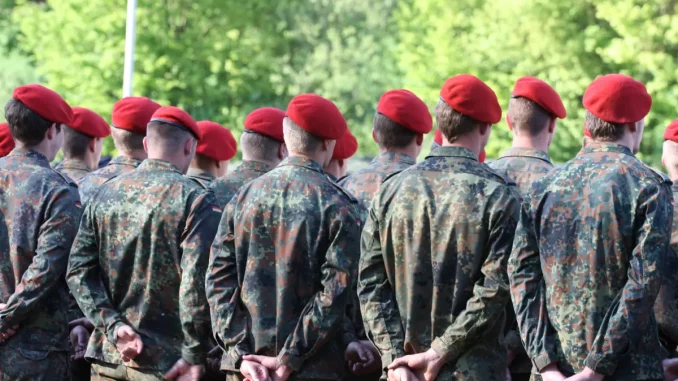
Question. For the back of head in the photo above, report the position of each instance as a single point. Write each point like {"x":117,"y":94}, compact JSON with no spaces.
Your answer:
{"x":75,"y":143}
{"x":299,"y":140}
{"x":263,"y":136}
{"x":603,"y":131}
{"x":453,"y":124}
{"x":259,"y":147}
{"x":129,"y":119}
{"x":25,"y":125}
{"x":391,"y":135}
{"x":172,"y":135}
{"x":165,"y":138}
{"x":401,"y":116}
{"x":527,"y":118}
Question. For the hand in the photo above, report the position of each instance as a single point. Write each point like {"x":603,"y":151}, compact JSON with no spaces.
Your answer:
{"x":551,"y":373}
{"x":6,"y":334}
{"x":508,"y":375}
{"x":83,"y":322}
{"x":403,"y":373}
{"x":253,"y":371}
{"x":428,"y":363}
{"x":128,"y":343}
{"x":280,"y":372}
{"x":670,"y":369}
{"x":360,"y":358}
{"x":79,"y":338}
{"x":586,"y":375}
{"x":183,"y":371}
{"x":214,"y":359}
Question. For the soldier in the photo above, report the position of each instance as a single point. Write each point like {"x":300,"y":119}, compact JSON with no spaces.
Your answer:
{"x":285,"y":257}
{"x":138,"y":263}
{"x":214,"y":150}
{"x":6,"y":141}
{"x":129,"y":120}
{"x":432,"y":280}
{"x":262,"y":150}
{"x":40,"y":210}
{"x":83,"y":141}
{"x":400,"y":123}
{"x":346,"y":147}
{"x":590,"y":248}
{"x":532,"y":113}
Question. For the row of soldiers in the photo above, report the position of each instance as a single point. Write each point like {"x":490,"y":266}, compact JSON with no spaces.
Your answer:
{"x":287,"y":269}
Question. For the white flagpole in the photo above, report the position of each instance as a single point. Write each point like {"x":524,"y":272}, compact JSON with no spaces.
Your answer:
{"x":130,"y":40}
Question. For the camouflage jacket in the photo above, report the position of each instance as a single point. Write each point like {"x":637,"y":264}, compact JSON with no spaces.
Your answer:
{"x":281,"y":270}
{"x":586,"y":264}
{"x":226,"y":187}
{"x":666,"y":305}
{"x":40,"y":211}
{"x":73,"y":168}
{"x":89,"y":184}
{"x":140,"y":258}
{"x":523,"y":165}
{"x":365,"y":183}
{"x":203,"y":177}
{"x":433,"y":264}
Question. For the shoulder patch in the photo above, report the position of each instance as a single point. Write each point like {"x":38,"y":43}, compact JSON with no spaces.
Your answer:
{"x":661,"y":176}
{"x":67,"y":179}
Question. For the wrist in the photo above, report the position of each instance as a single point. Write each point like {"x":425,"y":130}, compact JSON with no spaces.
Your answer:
{"x":592,"y":374}
{"x":552,"y":367}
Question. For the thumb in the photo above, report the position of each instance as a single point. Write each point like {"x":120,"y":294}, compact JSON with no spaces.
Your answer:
{"x":174,"y":372}
{"x":402,"y":361}
{"x":362,"y":353}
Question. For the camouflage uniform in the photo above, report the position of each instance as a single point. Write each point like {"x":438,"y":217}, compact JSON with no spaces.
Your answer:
{"x":433,"y":265}
{"x":586,"y":264}
{"x":524,"y":166}
{"x":40,"y":211}
{"x":226,"y":187}
{"x":73,"y":168}
{"x":364,"y":184}
{"x":666,"y":305}
{"x":203,"y":177}
{"x":140,"y":258}
{"x":89,"y":184}
{"x":281,"y":271}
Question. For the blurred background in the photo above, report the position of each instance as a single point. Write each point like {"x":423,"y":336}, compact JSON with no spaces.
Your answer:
{"x":220,"y":59}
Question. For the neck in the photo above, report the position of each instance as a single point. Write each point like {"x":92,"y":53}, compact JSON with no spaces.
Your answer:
{"x":465,"y":142}
{"x":41,"y":148}
{"x":625,"y":142}
{"x":407,"y":151}
{"x":212,"y":170}
{"x":172,"y":159}
{"x":673,"y":176}
{"x":270,"y":163}
{"x":530,"y":142}
{"x":316,"y":157}
{"x":136,"y":155}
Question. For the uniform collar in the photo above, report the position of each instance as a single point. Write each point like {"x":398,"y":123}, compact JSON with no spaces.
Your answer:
{"x":255,"y":166}
{"x":124,"y":160}
{"x":391,"y":157}
{"x":74,"y":164}
{"x":527,"y":152}
{"x":159,"y":165}
{"x":199,"y":173}
{"x":453,"y":152}
{"x":593,"y":147}
{"x":299,"y":161}
{"x":31,"y":154}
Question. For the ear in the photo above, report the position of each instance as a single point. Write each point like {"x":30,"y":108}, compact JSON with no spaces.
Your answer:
{"x":282,"y":151}
{"x":484,"y":129}
{"x":92,"y":145}
{"x":188,"y":146}
{"x":341,"y":162}
{"x":664,"y":161}
{"x":146,"y":144}
{"x":552,"y":125}
{"x":508,"y":121}
{"x":326,"y":145}
{"x":633,"y":127}
{"x":420,"y":139}
{"x":374,"y":137}
{"x":51,"y":131}
{"x":218,"y":163}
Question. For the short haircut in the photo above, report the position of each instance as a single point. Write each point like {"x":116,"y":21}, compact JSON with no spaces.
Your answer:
{"x":25,"y":125}
{"x":166,"y":135}
{"x":527,"y":117}
{"x":259,"y":147}
{"x":75,"y":143}
{"x":453,"y":124}
{"x":298,"y":140}
{"x":390,"y":134}
{"x":127,"y":141}
{"x":602,"y":130}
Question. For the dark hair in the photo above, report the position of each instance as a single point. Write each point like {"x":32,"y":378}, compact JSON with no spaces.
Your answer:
{"x":453,"y":124}
{"x":528,"y":117}
{"x":390,"y":134}
{"x":166,"y":134}
{"x":259,"y":147}
{"x":25,"y":125}
{"x":602,"y":130}
{"x":127,"y":141}
{"x":75,"y":143}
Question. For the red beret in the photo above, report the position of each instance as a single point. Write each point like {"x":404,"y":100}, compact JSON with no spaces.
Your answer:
{"x":671,"y":132}
{"x":317,"y":116}
{"x":217,"y":142}
{"x":438,"y":137}
{"x":471,"y":97}
{"x":133,"y":113}
{"x":177,"y":118}
{"x":44,"y":102}
{"x":346,"y":147}
{"x":406,"y":109}
{"x":89,"y":123}
{"x":617,"y":98}
{"x":266,"y":121}
{"x":541,"y":93}
{"x":6,"y":140}
{"x":482,"y":156}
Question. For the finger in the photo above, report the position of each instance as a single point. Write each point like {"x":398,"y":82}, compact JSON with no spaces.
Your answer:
{"x":402,"y":361}
{"x":125,"y":358}
{"x":370,"y":357}
{"x":362,"y":353}
{"x":173,"y":373}
{"x":139,"y":344}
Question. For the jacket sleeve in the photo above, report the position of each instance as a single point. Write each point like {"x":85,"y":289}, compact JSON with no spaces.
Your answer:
{"x":631,"y":312}
{"x":201,"y":227}
{"x":378,"y":304}
{"x":85,"y":281}
{"x":61,"y":217}
{"x":528,"y":291}
{"x":229,"y":319}
{"x":490,"y":292}
{"x":666,"y":305}
{"x":326,"y":311}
